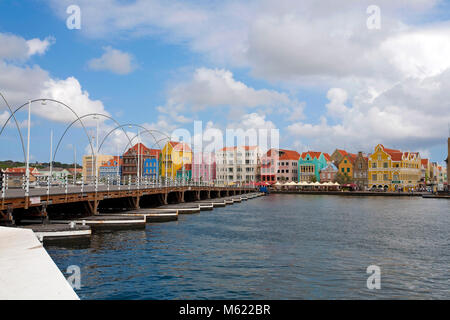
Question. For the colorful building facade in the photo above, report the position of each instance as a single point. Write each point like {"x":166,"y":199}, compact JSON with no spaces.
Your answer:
{"x":360,"y":171}
{"x":328,"y":174}
{"x":310,"y":164}
{"x":393,"y":170}
{"x":346,"y":165}
{"x":174,"y":156}
{"x":138,"y":154}
{"x":111,"y":168}
{"x":279,"y":165}
{"x":204,"y":167}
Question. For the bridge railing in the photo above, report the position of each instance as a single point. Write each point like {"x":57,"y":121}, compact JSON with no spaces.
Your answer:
{"x":12,"y":184}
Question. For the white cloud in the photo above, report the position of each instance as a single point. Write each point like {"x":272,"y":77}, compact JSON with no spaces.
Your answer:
{"x":285,"y":40}
{"x":217,"y":87}
{"x":20,"y":82}
{"x":70,"y":92}
{"x":38,"y":46}
{"x":113,"y":60}
{"x":337,"y":97}
{"x":253,"y":121}
{"x":412,"y":114}
{"x":16,"y":48}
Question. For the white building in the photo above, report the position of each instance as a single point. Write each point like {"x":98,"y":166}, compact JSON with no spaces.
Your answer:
{"x":238,"y":164}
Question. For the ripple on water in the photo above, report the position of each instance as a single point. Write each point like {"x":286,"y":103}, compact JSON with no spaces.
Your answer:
{"x":275,"y":247}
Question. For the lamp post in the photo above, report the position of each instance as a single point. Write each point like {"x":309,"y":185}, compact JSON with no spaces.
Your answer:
{"x":138,"y":172}
{"x":75,"y":165}
{"x":96,"y":154}
{"x":27,"y":170}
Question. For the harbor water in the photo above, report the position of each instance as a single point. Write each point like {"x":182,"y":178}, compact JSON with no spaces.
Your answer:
{"x":281,"y":246}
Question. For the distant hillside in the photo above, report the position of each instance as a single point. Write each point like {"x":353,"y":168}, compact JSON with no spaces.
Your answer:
{"x":40,"y":165}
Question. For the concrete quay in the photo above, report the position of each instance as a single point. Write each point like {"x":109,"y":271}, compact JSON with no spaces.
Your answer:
{"x":26,"y":270}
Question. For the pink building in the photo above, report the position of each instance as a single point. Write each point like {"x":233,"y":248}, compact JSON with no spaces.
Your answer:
{"x":203,"y":167}
{"x":328,"y":174}
{"x":279,"y":165}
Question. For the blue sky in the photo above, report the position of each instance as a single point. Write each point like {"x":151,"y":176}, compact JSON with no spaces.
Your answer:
{"x":313,"y":70}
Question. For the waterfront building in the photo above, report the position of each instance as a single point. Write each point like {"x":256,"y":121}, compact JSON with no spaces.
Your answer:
{"x":360,"y":171}
{"x":78,"y":172}
{"x":393,"y":170}
{"x":16,"y":176}
{"x":384,"y":168}
{"x":328,"y":174}
{"x":137,"y":153}
{"x":337,"y":156}
{"x":310,"y":164}
{"x":346,"y":165}
{"x":426,"y":172}
{"x":448,"y":166}
{"x":441,"y":177}
{"x":151,"y":165}
{"x":279,"y":165}
{"x":174,"y":156}
{"x":185,"y":172}
{"x":89,"y":167}
{"x":238,"y":164}
{"x":111,"y":168}
{"x":57,"y":173}
{"x":204,"y":167}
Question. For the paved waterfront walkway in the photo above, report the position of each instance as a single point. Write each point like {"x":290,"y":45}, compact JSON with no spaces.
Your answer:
{"x":26,"y":270}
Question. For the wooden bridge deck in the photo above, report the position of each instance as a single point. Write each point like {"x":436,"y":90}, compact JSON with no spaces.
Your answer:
{"x":38,"y":198}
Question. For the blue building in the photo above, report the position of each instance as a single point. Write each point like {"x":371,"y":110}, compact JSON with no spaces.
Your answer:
{"x":151,"y":168}
{"x":111,"y":168}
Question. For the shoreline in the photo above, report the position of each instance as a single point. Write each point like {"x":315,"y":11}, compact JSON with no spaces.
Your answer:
{"x":365,"y":194}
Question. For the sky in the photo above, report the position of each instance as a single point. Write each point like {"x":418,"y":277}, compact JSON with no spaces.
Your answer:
{"x":327,"y":74}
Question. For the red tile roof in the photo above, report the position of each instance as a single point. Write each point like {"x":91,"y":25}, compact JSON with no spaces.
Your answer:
{"x":316,"y":154}
{"x":180,"y":146}
{"x":285,"y":154}
{"x":241,"y":147}
{"x":396,"y":155}
{"x":21,"y":170}
{"x":143,"y":150}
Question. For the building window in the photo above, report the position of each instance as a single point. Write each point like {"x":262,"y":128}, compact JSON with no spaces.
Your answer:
{"x":374,"y":177}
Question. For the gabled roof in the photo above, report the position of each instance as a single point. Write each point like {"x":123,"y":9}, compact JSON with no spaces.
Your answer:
{"x":283,"y":154}
{"x":396,"y":155}
{"x":342,"y":152}
{"x":21,"y":170}
{"x":180,"y":146}
{"x":315,"y":155}
{"x":142,"y":150}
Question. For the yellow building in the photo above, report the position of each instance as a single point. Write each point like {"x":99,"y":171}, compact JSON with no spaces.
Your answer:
{"x":173,"y":156}
{"x":394,"y":170}
{"x":411,"y":170}
{"x":346,"y":164}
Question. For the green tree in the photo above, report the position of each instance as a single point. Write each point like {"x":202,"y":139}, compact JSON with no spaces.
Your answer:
{"x":342,"y":178}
